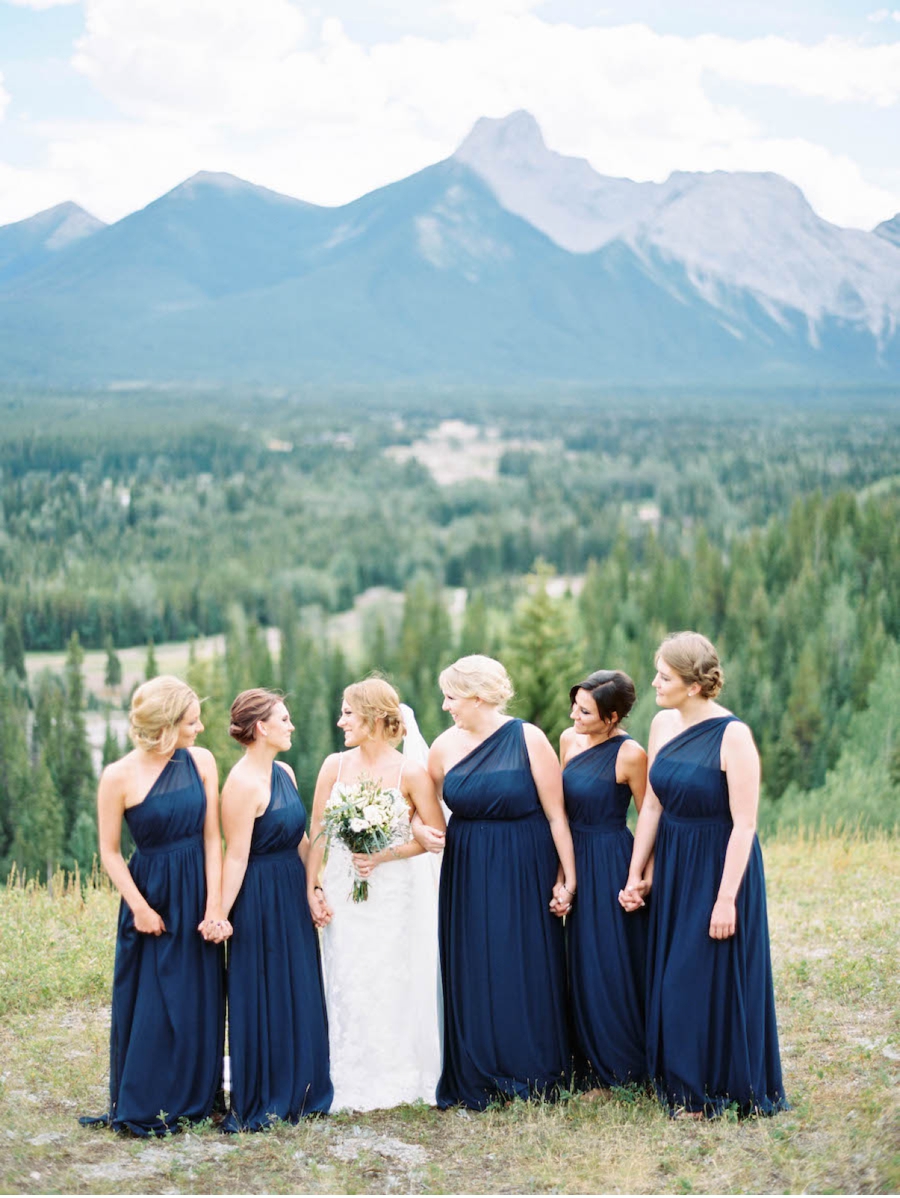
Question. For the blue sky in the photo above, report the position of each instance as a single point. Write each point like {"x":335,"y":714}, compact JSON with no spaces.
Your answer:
{"x":112,"y":102}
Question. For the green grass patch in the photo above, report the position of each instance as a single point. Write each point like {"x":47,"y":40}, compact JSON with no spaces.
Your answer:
{"x":833,"y":913}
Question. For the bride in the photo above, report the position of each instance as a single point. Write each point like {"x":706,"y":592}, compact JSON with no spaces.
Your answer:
{"x":380,"y":955}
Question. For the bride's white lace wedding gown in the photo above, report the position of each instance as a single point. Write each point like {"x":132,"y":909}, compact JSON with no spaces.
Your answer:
{"x":380,"y":959}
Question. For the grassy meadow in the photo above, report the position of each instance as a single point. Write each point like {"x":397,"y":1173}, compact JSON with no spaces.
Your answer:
{"x":834,"y":911}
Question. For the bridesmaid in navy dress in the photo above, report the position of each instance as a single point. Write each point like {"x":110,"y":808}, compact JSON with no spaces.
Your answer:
{"x":277,"y":1028}
{"x":501,"y":941}
{"x":168,"y":1008}
{"x":712,"y":1042}
{"x":603,"y":770}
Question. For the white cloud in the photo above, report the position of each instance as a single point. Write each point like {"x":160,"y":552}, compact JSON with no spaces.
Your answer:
{"x":884,"y":14}
{"x":5,"y":97}
{"x":272,"y":93}
{"x":836,"y":69}
{"x":40,"y":4}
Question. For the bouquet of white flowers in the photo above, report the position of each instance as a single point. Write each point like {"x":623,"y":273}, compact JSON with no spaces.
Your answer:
{"x":366,"y":818}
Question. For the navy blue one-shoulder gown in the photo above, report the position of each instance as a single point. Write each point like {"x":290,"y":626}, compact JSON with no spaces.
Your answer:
{"x":168,"y":1006}
{"x":607,"y":947}
{"x":711,"y":1035}
{"x":277,"y":1027}
{"x":502,"y":951}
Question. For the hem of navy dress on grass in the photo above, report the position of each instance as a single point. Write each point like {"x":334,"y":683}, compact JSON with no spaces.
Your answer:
{"x":712,"y":1041}
{"x":277,"y":1026}
{"x":607,"y":946}
{"x":502,"y":951}
{"x":168,"y":1008}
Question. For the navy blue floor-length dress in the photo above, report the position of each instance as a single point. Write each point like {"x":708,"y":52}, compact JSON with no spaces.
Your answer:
{"x":711,"y":1034}
{"x":607,"y":946}
{"x":277,"y":1027}
{"x":502,"y":951}
{"x":168,"y":1006}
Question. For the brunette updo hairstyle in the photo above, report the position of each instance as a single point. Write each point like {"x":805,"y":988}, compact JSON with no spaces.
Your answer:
{"x":248,"y":709}
{"x":478,"y":677}
{"x":375,"y":699}
{"x":157,"y":708}
{"x":612,"y":691}
{"x":694,"y":659}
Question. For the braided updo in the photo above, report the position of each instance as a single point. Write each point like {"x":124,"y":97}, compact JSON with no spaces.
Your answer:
{"x":694,"y":659}
{"x":374,"y":699}
{"x":248,"y":709}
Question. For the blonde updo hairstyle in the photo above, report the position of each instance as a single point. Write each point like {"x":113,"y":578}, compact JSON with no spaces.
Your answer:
{"x":375,"y":699}
{"x":478,"y":677}
{"x":694,"y":659}
{"x":248,"y":709}
{"x":157,"y":708}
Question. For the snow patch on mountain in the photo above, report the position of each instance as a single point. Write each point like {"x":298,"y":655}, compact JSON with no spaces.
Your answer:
{"x":729,"y":230}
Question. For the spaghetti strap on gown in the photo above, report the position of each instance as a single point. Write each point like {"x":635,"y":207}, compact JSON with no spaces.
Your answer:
{"x":711,"y":1034}
{"x":502,"y":951}
{"x":607,"y":947}
{"x":277,"y":1028}
{"x":168,"y":1006}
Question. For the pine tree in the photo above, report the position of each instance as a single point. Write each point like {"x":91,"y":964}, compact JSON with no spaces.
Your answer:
{"x":209,"y":680}
{"x":475,"y":636}
{"x":15,"y":770}
{"x":258,"y":659}
{"x":543,"y":656}
{"x":113,"y":675}
{"x":76,"y":780}
{"x":37,"y":847}
{"x":13,"y":644}
{"x":112,"y":750}
{"x":151,"y":669}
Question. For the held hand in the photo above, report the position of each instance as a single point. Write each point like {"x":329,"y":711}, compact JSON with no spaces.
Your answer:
{"x":561,"y":902}
{"x":147,"y":921}
{"x":723,"y":921}
{"x":632,"y":896}
{"x":318,"y":908}
{"x":431,"y":839}
{"x":215,"y":928}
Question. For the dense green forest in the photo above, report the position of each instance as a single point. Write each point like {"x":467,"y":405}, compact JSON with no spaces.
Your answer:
{"x":583,"y":527}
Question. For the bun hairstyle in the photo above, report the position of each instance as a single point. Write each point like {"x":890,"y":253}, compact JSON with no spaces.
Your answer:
{"x":694,"y":659}
{"x":374,"y":699}
{"x":478,"y":677}
{"x":248,"y":709}
{"x":157,"y":708}
{"x":612,"y":691}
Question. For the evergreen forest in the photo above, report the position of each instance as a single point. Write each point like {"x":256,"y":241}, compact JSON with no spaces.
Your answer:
{"x":562,"y":530}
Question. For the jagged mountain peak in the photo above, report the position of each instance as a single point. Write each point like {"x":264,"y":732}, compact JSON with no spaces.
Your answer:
{"x":517,"y":133}
{"x":753,"y":230}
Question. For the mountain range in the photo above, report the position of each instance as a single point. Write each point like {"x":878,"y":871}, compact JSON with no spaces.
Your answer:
{"x":507,"y":262}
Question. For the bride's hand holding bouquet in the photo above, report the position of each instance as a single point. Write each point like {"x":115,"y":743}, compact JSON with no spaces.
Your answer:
{"x":367,"y":820}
